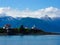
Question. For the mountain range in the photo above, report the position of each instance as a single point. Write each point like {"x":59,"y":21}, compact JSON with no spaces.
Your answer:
{"x":45,"y":23}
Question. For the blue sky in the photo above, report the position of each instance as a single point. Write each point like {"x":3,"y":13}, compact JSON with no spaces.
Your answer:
{"x":30,"y":8}
{"x":32,"y":4}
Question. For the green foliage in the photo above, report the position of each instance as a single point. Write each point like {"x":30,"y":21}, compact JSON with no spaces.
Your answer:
{"x":23,"y":30}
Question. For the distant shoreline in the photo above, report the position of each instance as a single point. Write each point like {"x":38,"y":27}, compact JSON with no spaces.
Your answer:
{"x":6,"y":34}
{"x":24,"y":31}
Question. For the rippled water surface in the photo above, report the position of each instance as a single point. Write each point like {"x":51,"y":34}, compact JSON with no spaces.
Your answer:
{"x":30,"y":40}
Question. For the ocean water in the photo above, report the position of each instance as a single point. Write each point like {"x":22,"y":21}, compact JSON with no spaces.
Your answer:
{"x":30,"y":40}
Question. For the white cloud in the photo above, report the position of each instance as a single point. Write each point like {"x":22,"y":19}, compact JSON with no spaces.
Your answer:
{"x":50,"y":11}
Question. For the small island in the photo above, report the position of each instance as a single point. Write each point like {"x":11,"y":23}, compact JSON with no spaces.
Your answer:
{"x":7,"y":30}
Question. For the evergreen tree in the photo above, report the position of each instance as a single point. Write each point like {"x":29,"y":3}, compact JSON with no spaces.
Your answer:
{"x":21,"y":29}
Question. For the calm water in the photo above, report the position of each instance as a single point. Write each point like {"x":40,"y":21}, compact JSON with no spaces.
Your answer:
{"x":30,"y":40}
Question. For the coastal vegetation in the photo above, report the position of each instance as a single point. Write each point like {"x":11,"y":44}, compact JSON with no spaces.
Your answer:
{"x":7,"y":30}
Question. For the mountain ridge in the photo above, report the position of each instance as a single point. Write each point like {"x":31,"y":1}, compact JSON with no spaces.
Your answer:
{"x":48,"y":24}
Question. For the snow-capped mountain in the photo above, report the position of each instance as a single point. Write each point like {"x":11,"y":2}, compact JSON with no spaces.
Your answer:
{"x":45,"y":23}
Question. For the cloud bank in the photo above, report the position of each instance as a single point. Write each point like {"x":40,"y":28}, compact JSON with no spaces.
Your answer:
{"x":50,"y":11}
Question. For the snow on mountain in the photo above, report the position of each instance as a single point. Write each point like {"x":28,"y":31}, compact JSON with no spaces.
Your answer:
{"x":45,"y":23}
{"x":46,"y":19}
